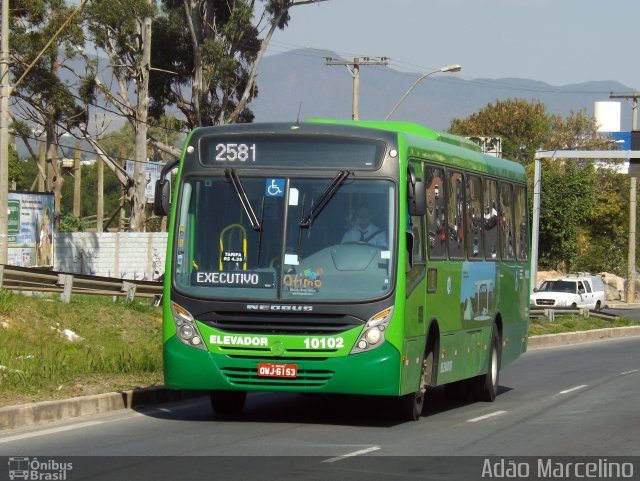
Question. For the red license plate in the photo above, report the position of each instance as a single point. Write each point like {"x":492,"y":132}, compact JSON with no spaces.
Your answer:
{"x":270,"y":369}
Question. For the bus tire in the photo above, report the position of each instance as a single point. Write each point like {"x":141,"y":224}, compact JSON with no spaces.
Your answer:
{"x":228,"y":403}
{"x":411,"y":404}
{"x":485,"y":386}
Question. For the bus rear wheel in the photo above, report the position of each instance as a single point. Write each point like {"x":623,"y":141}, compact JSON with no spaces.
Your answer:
{"x":228,"y":403}
{"x":485,"y":386}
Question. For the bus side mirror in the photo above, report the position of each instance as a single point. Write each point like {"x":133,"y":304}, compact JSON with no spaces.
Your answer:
{"x":416,"y":191}
{"x":162,"y":192}
{"x":162,"y":198}
{"x":417,"y":198}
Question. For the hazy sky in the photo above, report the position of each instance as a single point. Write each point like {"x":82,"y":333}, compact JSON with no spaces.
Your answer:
{"x":560,"y":42}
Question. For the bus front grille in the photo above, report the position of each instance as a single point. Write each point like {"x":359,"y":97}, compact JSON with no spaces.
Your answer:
{"x":240,"y":376}
{"x":280,"y":324}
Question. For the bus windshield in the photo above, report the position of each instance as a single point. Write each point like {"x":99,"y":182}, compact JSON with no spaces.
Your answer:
{"x":345,"y":253}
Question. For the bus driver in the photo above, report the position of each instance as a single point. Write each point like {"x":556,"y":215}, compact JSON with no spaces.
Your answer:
{"x":364,"y":231}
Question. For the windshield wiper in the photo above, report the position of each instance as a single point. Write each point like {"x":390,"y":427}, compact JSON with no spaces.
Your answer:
{"x":331,"y":189}
{"x":244,"y":200}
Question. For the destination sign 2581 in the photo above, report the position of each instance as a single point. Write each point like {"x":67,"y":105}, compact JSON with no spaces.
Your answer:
{"x":228,"y":152}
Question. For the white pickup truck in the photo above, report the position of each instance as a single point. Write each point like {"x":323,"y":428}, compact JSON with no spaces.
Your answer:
{"x":577,"y":291}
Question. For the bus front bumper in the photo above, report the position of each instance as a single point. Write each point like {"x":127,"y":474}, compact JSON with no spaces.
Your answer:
{"x":375,"y":372}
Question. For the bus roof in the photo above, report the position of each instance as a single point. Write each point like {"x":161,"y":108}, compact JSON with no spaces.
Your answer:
{"x":407,"y":127}
{"x":422,"y":141}
{"x":430,"y":142}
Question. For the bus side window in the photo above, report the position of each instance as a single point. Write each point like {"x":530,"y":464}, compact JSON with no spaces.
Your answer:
{"x":507,"y":249}
{"x":490,"y":219}
{"x":475,"y":224}
{"x":522,"y":233}
{"x":436,"y":227}
{"x":455,"y":227}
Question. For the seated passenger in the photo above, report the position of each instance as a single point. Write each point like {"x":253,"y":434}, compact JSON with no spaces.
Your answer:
{"x":364,"y":231}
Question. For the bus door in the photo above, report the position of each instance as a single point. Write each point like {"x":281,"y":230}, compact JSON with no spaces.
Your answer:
{"x":416,"y":322}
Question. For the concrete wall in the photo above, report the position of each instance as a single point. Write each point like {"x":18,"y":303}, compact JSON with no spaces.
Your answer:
{"x":126,"y":255}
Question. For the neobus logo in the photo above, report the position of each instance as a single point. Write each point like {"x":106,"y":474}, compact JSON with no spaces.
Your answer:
{"x":278,"y":308}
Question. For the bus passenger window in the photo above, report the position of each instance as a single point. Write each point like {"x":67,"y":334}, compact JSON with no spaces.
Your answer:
{"x":507,"y":248}
{"x":475,"y":224}
{"x":455,"y":228}
{"x":522,"y":244}
{"x":490,"y":219}
{"x":437,"y":237}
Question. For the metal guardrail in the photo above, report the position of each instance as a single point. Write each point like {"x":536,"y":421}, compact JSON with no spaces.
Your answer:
{"x":28,"y":279}
{"x":552,"y":312}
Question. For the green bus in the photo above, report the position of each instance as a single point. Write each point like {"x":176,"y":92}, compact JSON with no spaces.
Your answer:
{"x":272,"y":283}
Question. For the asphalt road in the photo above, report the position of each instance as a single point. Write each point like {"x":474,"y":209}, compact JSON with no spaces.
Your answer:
{"x":581,"y":400}
{"x":631,"y":313}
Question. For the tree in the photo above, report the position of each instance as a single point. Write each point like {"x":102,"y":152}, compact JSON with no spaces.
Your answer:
{"x":604,"y":237}
{"x":523,"y":126}
{"x":213,"y":47}
{"x":122,"y":29}
{"x":567,"y":201}
{"x":42,"y":98}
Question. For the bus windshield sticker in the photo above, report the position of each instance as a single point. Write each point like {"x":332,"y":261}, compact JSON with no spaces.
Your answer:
{"x":232,"y":257}
{"x":306,"y":283}
{"x":274,"y":188}
{"x":259,"y":280}
{"x":291,"y":260}
{"x":294,"y":194}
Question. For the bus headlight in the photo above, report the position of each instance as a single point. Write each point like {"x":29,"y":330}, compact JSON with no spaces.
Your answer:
{"x":373,"y":333}
{"x":186,"y":329}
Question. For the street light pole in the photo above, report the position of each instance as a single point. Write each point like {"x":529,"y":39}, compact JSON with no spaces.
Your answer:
{"x":450,"y":68}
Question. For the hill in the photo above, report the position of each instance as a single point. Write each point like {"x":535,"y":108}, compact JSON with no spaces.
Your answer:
{"x":287,"y":80}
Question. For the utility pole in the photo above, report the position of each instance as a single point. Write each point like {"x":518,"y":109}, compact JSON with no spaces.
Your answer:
{"x":633,"y":194}
{"x":100,"y":202}
{"x":4,"y":134}
{"x":354,"y":69}
{"x":77,"y":181}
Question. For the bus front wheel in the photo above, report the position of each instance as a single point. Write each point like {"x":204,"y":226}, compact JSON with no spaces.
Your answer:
{"x":228,"y":403}
{"x":411,"y":404}
{"x":485,"y":386}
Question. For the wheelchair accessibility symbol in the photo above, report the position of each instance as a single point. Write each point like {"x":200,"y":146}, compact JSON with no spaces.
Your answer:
{"x":274,"y":188}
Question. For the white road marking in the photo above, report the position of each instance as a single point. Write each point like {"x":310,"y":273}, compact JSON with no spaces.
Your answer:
{"x":486,"y":416}
{"x":629,"y":372}
{"x":350,"y":455}
{"x":45,"y":432}
{"x":566,"y":391}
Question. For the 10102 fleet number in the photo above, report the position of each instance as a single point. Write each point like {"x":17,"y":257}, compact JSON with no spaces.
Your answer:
{"x":324,"y":343}
{"x":235,"y":152}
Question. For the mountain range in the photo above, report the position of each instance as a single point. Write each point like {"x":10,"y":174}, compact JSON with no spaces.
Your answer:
{"x":298,"y":84}
{"x":300,"y":81}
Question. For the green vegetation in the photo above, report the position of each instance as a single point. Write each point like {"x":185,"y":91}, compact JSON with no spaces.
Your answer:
{"x":120,"y":347}
{"x":571,"y":323}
